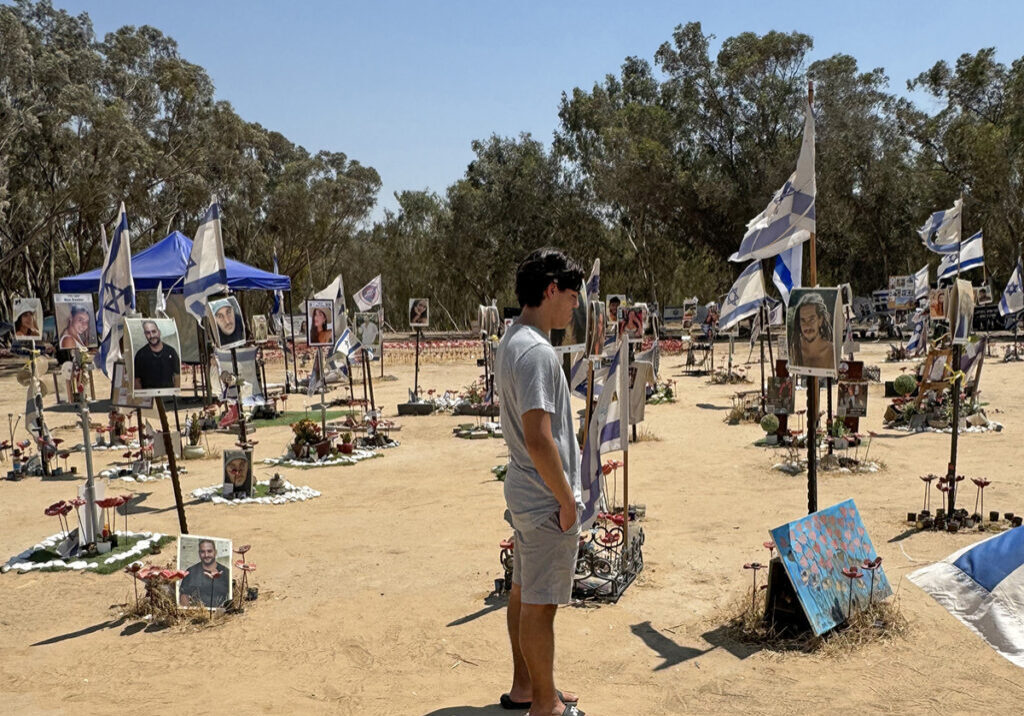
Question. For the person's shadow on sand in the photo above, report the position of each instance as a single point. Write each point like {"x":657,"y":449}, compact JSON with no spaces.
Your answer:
{"x":492,"y":710}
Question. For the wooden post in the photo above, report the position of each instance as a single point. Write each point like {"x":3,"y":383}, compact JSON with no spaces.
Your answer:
{"x":416,"y":379}
{"x":812,"y":382}
{"x":369,"y":380}
{"x":760,"y":316}
{"x":172,"y":462}
{"x":323,"y":391}
{"x":295,"y":360}
{"x":242,"y":436}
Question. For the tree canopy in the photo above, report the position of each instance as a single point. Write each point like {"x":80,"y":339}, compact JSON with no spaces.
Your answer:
{"x":655,"y":169}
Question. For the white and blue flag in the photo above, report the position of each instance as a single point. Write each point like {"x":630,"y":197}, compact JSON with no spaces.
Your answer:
{"x":982,"y":585}
{"x":941,"y":233}
{"x":744,"y":298}
{"x":609,"y":425}
{"x":788,"y":220}
{"x":207,"y":272}
{"x":971,"y":255}
{"x":1013,"y":295}
{"x":788,"y":267}
{"x":921,"y":283}
{"x":918,"y":341}
{"x":369,"y":295}
{"x":117,"y":295}
{"x":336,"y":292}
{"x":594,"y":282}
{"x":346,"y":345}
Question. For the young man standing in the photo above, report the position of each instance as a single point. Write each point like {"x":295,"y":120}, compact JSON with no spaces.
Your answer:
{"x":542,"y":486}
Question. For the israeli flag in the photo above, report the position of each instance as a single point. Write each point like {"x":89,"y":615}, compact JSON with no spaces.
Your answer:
{"x":941,"y":233}
{"x":346,"y":345}
{"x":788,"y":267}
{"x":117,"y":295}
{"x":982,"y":585}
{"x":161,"y":300}
{"x":369,"y":295}
{"x":336,"y":292}
{"x":1013,"y":295}
{"x":921,"y":283}
{"x":972,"y":255}
{"x":917,"y":340}
{"x":207,"y":272}
{"x":744,"y":298}
{"x":608,"y":422}
{"x":788,"y":220}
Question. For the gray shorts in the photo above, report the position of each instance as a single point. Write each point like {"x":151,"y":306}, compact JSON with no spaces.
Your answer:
{"x":544,"y":560}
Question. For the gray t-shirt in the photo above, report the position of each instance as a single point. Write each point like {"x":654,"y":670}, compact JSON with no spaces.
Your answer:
{"x":528,"y":377}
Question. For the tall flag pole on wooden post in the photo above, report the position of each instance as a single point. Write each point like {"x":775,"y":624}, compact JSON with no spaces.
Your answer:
{"x":812,"y":382}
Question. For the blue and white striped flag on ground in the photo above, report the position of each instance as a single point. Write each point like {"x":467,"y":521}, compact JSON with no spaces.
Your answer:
{"x":983,"y":586}
{"x":117,"y":295}
{"x":609,"y":424}
{"x":918,"y":340}
{"x":941,"y":233}
{"x":1013,"y":295}
{"x":744,"y":298}
{"x":971,"y":255}
{"x":207,"y":272}
{"x":921,"y":283}
{"x":788,"y":220}
{"x":788,"y":267}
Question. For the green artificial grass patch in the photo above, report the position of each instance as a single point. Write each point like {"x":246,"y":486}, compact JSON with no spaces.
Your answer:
{"x":294,"y":417}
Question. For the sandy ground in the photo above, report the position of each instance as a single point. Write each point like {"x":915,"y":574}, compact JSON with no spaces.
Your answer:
{"x":372,"y":597}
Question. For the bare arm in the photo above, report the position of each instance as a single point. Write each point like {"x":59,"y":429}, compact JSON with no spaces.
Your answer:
{"x":544,"y":453}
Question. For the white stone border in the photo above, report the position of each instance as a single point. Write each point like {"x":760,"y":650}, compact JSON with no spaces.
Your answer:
{"x":291,"y":493}
{"x":358,"y":455}
{"x":139,"y":548}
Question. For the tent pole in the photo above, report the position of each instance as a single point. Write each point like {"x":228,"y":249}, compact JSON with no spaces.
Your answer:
{"x":291,"y":329}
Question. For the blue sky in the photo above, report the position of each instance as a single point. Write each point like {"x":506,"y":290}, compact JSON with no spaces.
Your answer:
{"x":405,"y":86}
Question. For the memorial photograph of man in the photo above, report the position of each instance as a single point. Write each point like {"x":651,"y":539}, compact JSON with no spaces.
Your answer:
{"x":225,"y":317}
{"x":208,"y":582}
{"x":156,"y":363}
{"x":237,"y":473}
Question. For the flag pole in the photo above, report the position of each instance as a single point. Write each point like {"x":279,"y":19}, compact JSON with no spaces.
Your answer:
{"x":623,"y":396}
{"x":955,"y":432}
{"x":812,"y":382}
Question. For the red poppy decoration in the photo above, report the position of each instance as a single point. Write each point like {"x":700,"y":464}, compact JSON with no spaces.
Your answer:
{"x":148,"y":572}
{"x":871,"y":564}
{"x":852,"y":573}
{"x":928,"y":478}
{"x":243,"y":549}
{"x":77,"y":502}
{"x":981,"y":481}
{"x":245,"y":566}
{"x":133,"y":569}
{"x":172,"y":575}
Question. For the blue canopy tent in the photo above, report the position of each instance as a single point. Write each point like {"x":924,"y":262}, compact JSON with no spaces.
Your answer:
{"x":165,"y":262}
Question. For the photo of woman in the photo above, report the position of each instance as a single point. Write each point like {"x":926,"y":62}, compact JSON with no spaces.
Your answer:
{"x":319,"y":314}
{"x":812,"y":332}
{"x":419,"y":312}
{"x":76,"y":330}
{"x":75,"y":319}
{"x":28,"y":319}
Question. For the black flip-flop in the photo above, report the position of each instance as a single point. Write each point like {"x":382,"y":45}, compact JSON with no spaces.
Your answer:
{"x":507,"y":703}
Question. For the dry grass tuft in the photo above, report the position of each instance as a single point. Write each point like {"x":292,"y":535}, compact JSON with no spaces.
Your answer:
{"x":881,"y":623}
{"x":645,"y":434}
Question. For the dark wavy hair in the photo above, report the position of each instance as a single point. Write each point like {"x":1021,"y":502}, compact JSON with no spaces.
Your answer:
{"x":542,"y":267}
{"x":825,"y":331}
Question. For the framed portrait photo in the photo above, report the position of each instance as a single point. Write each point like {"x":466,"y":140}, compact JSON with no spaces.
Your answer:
{"x":121,"y":393}
{"x":419,"y":312}
{"x":368,"y":330}
{"x":780,"y":395}
{"x":154,"y":366}
{"x":28,"y":319}
{"x":228,"y":326}
{"x":852,"y":399}
{"x":814,"y":331}
{"x":260,"y":329}
{"x":75,"y":317}
{"x":208,"y":563}
{"x":237,"y":473}
{"x":320,"y":322}
{"x":961,"y":311}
